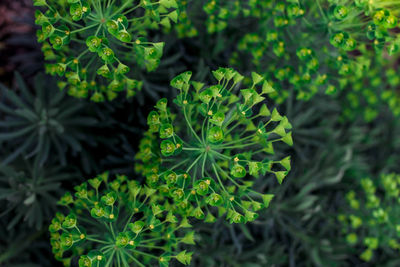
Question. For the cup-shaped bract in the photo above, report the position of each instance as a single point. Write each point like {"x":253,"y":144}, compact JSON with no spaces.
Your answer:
{"x":207,"y":152}
{"x":117,"y":222}
{"x":99,"y":46}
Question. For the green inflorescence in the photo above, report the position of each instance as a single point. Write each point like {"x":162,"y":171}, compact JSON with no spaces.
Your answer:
{"x":371,"y":221}
{"x":117,"y":222}
{"x":207,"y":152}
{"x":100,"y":46}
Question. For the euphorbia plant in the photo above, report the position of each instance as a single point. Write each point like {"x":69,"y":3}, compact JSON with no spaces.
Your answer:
{"x":95,"y":44}
{"x":117,"y":222}
{"x":371,"y":222}
{"x":208,"y":150}
{"x":306,"y":47}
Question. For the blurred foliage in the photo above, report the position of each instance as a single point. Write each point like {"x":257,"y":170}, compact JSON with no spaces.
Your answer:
{"x":370,"y":222}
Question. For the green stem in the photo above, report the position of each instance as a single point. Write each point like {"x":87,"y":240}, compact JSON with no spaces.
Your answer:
{"x":128,"y":2}
{"x":97,"y":240}
{"x":204,"y":164}
{"x":190,"y":126}
{"x":134,"y":259}
{"x":194,"y":162}
{"x":219,"y":179}
{"x":238,"y":146}
{"x":110,"y":258}
{"x":85,"y":28}
{"x":132,"y":9}
{"x":146,"y":254}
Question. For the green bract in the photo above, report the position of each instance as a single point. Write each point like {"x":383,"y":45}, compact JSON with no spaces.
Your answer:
{"x":117,"y":223}
{"x":98,"y":45}
{"x":211,"y":147}
{"x":371,"y":222}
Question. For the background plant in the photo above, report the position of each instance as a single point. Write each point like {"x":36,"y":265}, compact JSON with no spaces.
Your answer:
{"x":370,"y":222}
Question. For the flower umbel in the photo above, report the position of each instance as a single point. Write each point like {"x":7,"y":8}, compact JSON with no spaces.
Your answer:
{"x":117,"y":223}
{"x":208,"y":149}
{"x":95,"y":44}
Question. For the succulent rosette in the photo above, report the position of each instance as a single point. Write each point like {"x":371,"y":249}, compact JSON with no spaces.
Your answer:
{"x":117,"y":223}
{"x":206,"y":153}
{"x":370,"y":221}
{"x":99,"y":46}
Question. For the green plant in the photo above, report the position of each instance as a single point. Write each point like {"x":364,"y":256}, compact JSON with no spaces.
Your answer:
{"x":95,"y":44}
{"x":117,"y":223}
{"x":320,"y":46}
{"x":28,"y":192}
{"x":42,"y":122}
{"x":211,"y":145}
{"x":370,"y":222}
{"x":20,"y":246}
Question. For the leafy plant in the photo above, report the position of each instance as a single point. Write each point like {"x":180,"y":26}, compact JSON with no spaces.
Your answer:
{"x":321,"y":46}
{"x":117,"y":222}
{"x":209,"y":148}
{"x":28,"y":192}
{"x":115,"y":31}
{"x":42,"y":123}
{"x":370,"y":222}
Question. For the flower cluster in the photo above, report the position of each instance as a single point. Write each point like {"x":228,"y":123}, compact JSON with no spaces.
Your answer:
{"x":346,"y":22}
{"x":185,"y":27}
{"x":316,"y":46}
{"x":283,"y":50}
{"x":117,"y":223}
{"x":372,"y":221}
{"x":219,"y":12}
{"x":207,"y":153}
{"x":98,"y":45}
{"x":373,"y":83}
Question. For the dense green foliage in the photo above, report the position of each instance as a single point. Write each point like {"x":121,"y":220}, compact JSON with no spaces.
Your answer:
{"x":218,"y":132}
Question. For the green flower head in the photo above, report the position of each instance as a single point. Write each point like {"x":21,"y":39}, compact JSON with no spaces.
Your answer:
{"x":208,"y":150}
{"x":98,"y":42}
{"x":121,"y":223}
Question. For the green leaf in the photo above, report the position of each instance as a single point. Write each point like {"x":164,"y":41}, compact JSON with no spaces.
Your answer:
{"x":39,"y":2}
{"x":184,"y":257}
{"x":169,"y":3}
{"x":280,"y":176}
{"x":136,"y":227}
{"x":288,"y":139}
{"x":189,"y":238}
{"x":264,"y":111}
{"x":257,"y":78}
{"x":185,"y":223}
{"x":173,"y":16}
{"x":286,"y":163}
{"x":275,"y":115}
{"x":247,"y":94}
{"x":171,"y":218}
{"x":280,"y":130}
{"x":267,"y":199}
{"x":267,"y":88}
